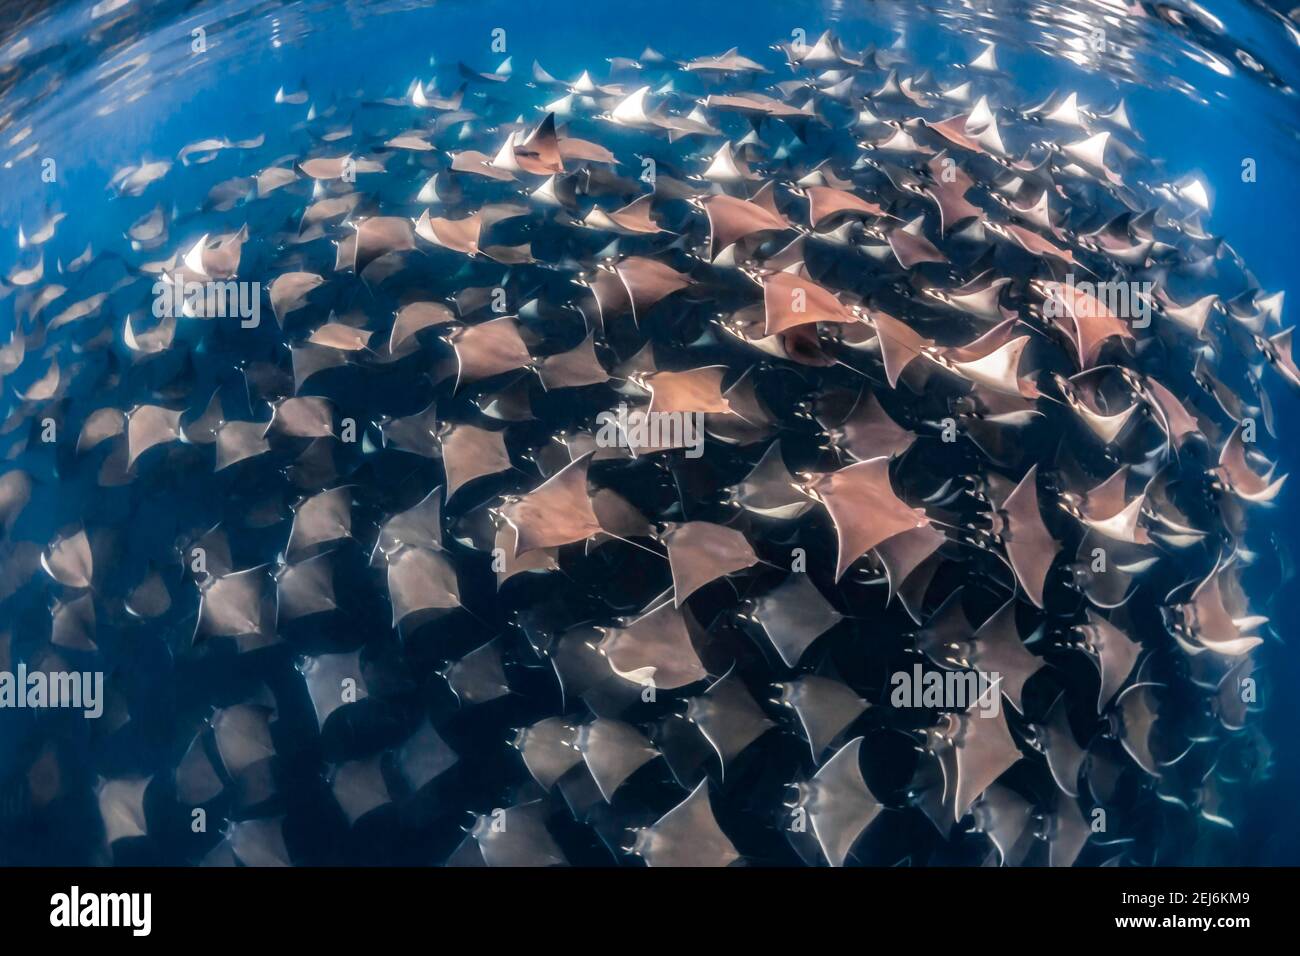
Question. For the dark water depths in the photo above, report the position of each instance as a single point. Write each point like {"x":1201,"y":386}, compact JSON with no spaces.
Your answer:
{"x":97,"y":87}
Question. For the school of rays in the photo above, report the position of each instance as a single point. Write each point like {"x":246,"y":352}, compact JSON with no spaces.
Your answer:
{"x":398,"y":599}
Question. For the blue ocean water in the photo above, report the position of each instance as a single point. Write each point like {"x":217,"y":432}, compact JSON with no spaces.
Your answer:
{"x":101,"y":86}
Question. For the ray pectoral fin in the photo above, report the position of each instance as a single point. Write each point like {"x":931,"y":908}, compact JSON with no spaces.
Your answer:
{"x":839,"y":803}
{"x":469,"y":453}
{"x":699,"y":552}
{"x":984,"y":751}
{"x":1030,"y":546}
{"x":863,"y":508}
{"x":688,"y":835}
{"x":489,"y":349}
{"x":558,"y":512}
{"x":419,"y":581}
